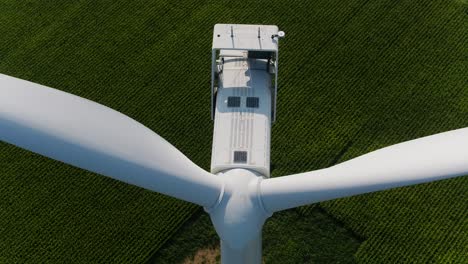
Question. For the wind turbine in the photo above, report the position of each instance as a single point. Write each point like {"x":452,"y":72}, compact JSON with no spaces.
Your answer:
{"x":237,"y":193}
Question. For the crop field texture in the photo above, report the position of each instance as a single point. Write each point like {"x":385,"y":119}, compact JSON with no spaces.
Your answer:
{"x":354,"y":76}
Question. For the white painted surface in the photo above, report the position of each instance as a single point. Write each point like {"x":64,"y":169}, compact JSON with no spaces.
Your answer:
{"x":91,"y":136}
{"x":245,"y":37}
{"x":431,"y":158}
{"x":233,"y":40}
{"x":250,"y":254}
{"x":239,"y":216}
{"x":242,"y":128}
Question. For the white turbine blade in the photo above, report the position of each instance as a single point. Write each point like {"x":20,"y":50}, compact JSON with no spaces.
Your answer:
{"x":422,"y":160}
{"x":91,"y":136}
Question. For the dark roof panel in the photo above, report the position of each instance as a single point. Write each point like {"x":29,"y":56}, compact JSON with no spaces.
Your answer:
{"x":233,"y":101}
{"x":240,"y":156}
{"x":252,"y":102}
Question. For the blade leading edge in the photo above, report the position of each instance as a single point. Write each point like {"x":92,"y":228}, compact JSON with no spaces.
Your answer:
{"x":91,"y":136}
{"x":431,"y":158}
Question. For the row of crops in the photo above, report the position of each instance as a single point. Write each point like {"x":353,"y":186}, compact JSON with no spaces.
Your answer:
{"x":354,"y":76}
{"x":401,"y":74}
{"x":53,"y":212}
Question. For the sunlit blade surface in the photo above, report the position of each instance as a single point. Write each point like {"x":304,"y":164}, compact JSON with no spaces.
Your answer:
{"x":426,"y":159}
{"x":91,"y":136}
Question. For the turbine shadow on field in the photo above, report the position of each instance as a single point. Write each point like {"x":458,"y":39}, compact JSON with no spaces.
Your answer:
{"x":286,"y":239}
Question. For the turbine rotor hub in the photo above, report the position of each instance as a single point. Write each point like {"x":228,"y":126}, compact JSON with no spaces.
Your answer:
{"x":239,"y":215}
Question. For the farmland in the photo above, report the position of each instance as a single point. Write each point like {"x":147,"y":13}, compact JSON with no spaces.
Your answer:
{"x":355,"y":76}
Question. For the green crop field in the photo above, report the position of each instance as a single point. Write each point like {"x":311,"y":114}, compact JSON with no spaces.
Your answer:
{"x":354,"y":76}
